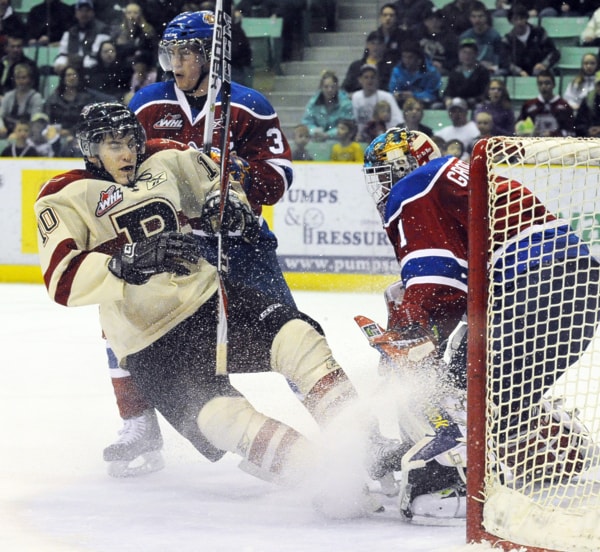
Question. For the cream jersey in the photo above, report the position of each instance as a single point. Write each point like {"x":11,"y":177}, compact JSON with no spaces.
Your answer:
{"x":84,"y":220}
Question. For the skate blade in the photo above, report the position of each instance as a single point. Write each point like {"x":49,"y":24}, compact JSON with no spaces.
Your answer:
{"x":437,"y":522}
{"x":148,"y":462}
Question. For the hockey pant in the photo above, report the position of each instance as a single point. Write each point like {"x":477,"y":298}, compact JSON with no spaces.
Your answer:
{"x":177,"y":374}
{"x":251,"y":264}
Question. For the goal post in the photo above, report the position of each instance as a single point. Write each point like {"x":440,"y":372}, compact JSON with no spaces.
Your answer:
{"x":533,"y":393}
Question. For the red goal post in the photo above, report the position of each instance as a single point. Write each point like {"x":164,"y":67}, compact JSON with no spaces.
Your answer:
{"x":537,"y":487}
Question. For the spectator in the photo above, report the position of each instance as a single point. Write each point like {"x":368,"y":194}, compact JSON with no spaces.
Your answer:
{"x":498,"y":104}
{"x":346,"y":149}
{"x":135,"y":35}
{"x":14,"y":54}
{"x":413,"y":115}
{"x":583,"y":83}
{"x":551,"y":115}
{"x":48,"y":21}
{"x":394,"y":37}
{"x":364,"y":100}
{"x":81,"y":42}
{"x":301,"y":140}
{"x":111,"y":74}
{"x":160,"y":12}
{"x":411,"y":13}
{"x":19,"y":145}
{"x":456,"y":16}
{"x":528,"y":49}
{"x":144,"y":73}
{"x":456,"y":148}
{"x":326,"y":108}
{"x":22,"y":102}
{"x":563,"y":8}
{"x":460,"y":128}
{"x":438,"y":43}
{"x":66,"y":102}
{"x":587,"y":120}
{"x":374,"y":54}
{"x":10,"y":24}
{"x":415,"y":77}
{"x":469,"y":79}
{"x":383,"y":112}
{"x":43,"y":136}
{"x":488,"y":39}
{"x":372,"y":130}
{"x":241,"y":52}
{"x":590,"y":36}
{"x":485,"y":124}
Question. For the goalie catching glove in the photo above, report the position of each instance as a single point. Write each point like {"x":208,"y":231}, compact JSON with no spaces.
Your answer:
{"x":238,"y":217}
{"x":165,"y":252}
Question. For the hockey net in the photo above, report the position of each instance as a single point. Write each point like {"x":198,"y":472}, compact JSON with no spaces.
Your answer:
{"x":533,"y":479}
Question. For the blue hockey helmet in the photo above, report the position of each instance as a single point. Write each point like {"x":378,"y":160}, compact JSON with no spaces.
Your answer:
{"x":391,"y":156}
{"x":193,"y":30}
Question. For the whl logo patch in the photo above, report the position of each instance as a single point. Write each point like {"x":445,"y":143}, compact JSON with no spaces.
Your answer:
{"x":169,"y":122}
{"x":108,"y":199}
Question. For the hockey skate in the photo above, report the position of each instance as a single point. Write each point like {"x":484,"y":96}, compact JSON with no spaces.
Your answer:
{"x":433,"y":495}
{"x":445,"y":507}
{"x":137,"y":450}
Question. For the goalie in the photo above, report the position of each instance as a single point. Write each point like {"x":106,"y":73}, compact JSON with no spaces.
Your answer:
{"x":422,"y":198}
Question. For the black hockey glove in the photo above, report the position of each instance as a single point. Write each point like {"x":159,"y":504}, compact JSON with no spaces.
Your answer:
{"x":165,"y":252}
{"x":237,"y":218}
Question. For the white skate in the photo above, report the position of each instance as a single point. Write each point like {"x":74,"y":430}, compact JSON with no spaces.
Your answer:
{"x":446,"y":507}
{"x":137,"y":450}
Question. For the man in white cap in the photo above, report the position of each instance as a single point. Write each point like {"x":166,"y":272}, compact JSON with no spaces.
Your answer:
{"x":460,"y":128}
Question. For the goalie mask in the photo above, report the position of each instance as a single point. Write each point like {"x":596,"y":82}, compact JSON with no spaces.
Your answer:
{"x":393,"y":155}
{"x":190,"y":33}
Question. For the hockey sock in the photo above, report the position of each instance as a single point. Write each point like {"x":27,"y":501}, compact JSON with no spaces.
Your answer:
{"x":303,"y":356}
{"x":130,"y":400}
{"x":271,"y":450}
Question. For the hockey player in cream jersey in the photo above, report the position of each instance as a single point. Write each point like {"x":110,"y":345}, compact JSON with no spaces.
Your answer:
{"x":118,"y":234}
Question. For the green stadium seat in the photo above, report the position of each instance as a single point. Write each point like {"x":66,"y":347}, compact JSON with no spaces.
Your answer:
{"x":502,"y":25}
{"x":570,"y":59}
{"x":435,"y":118}
{"x":564,"y":30}
{"x":264,"y":34}
{"x":321,"y":151}
{"x":521,"y":89}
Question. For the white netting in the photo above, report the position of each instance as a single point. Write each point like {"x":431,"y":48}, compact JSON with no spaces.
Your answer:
{"x":542,"y":481}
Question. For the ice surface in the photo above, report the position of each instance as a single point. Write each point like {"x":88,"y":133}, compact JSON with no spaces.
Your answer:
{"x":57,"y":413}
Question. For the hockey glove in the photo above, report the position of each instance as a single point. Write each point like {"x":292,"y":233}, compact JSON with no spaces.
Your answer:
{"x":239,"y":168}
{"x":237,"y":217}
{"x":413,"y":343}
{"x":165,"y":252}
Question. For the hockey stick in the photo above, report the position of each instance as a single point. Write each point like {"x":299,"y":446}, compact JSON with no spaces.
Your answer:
{"x":220,"y":71}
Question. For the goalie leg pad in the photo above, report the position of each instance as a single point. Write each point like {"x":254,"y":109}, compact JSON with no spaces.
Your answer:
{"x":271,"y":450}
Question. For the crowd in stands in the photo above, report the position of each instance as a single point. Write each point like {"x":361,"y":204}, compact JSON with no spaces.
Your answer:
{"x":454,"y":59}
{"x":416,"y":58}
{"x":102,"y":51}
